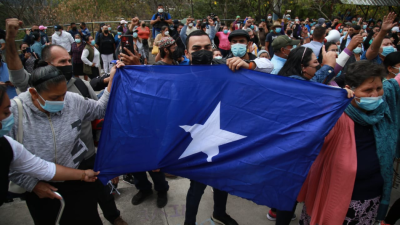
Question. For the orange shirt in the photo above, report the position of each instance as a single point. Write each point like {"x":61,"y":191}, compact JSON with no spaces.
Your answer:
{"x":143,"y":33}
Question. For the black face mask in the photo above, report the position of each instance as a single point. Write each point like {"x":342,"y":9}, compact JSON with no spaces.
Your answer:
{"x":66,"y":71}
{"x":202,"y":57}
{"x":318,"y":67}
{"x":81,"y":27}
{"x":36,"y":30}
{"x":143,"y":25}
{"x":175,"y":55}
{"x":106,"y":31}
{"x":74,"y":28}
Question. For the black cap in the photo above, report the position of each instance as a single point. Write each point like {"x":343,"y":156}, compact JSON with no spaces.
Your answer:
{"x":356,"y":27}
{"x":57,"y":27}
{"x":35,"y":35}
{"x":176,"y":21}
{"x":239,"y":33}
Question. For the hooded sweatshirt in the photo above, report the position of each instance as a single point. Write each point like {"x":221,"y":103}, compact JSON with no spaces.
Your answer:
{"x":20,"y":79}
{"x":55,"y":138}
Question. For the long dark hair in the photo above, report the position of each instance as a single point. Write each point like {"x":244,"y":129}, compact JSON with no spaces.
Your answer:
{"x":295,"y":61}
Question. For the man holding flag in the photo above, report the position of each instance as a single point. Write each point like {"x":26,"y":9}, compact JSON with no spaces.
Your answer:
{"x":235,"y":131}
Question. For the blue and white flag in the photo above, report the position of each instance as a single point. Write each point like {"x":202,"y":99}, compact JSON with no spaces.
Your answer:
{"x":252,"y":134}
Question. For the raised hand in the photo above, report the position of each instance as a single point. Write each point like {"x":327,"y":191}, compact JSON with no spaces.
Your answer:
{"x":388,"y":21}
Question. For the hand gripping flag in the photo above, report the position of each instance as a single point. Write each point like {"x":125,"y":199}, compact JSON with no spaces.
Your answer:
{"x":252,"y":134}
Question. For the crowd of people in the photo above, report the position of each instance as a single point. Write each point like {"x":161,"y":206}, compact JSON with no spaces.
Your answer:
{"x":350,"y":182}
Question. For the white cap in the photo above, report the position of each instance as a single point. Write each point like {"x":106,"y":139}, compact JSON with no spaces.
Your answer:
{"x":123,"y":21}
{"x":395,"y":29}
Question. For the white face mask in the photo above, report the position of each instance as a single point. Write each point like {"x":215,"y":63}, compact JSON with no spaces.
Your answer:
{"x":160,"y":10}
{"x":58,"y":33}
{"x":190,"y":24}
{"x":269,"y":17}
{"x":166,"y":33}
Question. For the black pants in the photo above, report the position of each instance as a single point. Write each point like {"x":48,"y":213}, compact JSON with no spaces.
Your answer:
{"x":193,"y":198}
{"x":394,"y":213}
{"x":104,"y":198}
{"x":284,"y":217}
{"x":80,"y":205}
{"x":95,"y":73}
{"x":142,"y":183}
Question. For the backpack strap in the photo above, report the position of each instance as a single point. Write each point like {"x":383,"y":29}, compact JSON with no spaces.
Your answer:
{"x":83,"y":89}
{"x":20,"y":134}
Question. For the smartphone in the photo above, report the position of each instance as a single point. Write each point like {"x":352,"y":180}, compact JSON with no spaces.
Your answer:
{"x":28,"y":50}
{"x":262,"y":20}
{"x":127,"y":42}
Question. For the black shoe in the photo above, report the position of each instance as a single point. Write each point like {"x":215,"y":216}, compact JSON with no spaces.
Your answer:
{"x":141,"y":196}
{"x":128,"y":179}
{"x":162,"y":199}
{"x":224,"y":220}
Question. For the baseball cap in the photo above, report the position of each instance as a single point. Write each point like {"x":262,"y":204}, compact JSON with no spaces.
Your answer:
{"x":239,"y":33}
{"x":41,"y":27}
{"x":57,"y":27}
{"x":123,"y":21}
{"x":166,"y":42}
{"x":283,"y":41}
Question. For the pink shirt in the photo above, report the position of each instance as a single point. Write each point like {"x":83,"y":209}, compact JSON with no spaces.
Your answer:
{"x":224,"y":43}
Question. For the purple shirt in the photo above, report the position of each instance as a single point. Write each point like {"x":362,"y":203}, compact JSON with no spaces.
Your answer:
{"x":76,"y":52}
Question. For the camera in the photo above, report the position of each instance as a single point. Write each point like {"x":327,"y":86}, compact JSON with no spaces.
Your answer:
{"x":212,"y":15}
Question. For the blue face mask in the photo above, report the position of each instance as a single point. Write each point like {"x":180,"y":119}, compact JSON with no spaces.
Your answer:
{"x":78,"y":41}
{"x":51,"y":106}
{"x":278,"y":30}
{"x":312,"y":31}
{"x":364,"y":27}
{"x":6,"y":125}
{"x":218,"y":57}
{"x":340,"y":73}
{"x":357,"y":50}
{"x":93,"y":42}
{"x":364,"y":38}
{"x":344,"y":33}
{"x":239,"y":50}
{"x":387,"y":50}
{"x":225,"y":31}
{"x":252,"y":27}
{"x":370,"y":42}
{"x":369,"y":103}
{"x":119,"y":33}
{"x":135,"y":35}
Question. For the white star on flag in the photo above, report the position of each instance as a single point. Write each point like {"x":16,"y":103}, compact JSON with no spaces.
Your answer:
{"x":208,"y":137}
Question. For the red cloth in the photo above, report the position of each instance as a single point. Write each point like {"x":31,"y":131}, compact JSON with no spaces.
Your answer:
{"x":329,"y":185}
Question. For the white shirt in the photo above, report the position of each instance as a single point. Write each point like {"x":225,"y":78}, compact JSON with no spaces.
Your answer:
{"x":96,"y":57}
{"x":26,"y":163}
{"x":64,"y":40}
{"x":263,"y":65}
{"x":315,"y":46}
{"x":190,"y":30}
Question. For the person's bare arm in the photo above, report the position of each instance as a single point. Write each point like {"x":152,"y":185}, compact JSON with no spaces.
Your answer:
{"x":12,"y":57}
{"x":387,"y":25}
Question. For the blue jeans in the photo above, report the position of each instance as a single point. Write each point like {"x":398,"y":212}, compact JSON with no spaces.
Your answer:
{"x":156,"y":32}
{"x":193,"y":198}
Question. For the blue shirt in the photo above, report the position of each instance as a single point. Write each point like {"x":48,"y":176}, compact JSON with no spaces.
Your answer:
{"x":377,"y":59}
{"x":278,"y":64}
{"x":4,"y":77}
{"x":37,"y":48}
{"x":315,"y":46}
{"x":167,"y":17}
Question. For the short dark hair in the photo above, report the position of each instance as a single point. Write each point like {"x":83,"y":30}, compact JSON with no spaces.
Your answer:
{"x":195,"y":33}
{"x":163,"y":28}
{"x":319,"y":32}
{"x":216,"y":50}
{"x":163,"y":53}
{"x":73,"y":24}
{"x":391,"y":59}
{"x":3,"y":91}
{"x":159,"y":4}
{"x":120,"y":29}
{"x":40,"y":73}
{"x":83,"y":23}
{"x":20,"y":46}
{"x":360,"y":71}
{"x":203,"y":25}
{"x":295,"y":60}
{"x":181,"y":24}
{"x":327,"y":45}
{"x":356,"y":27}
